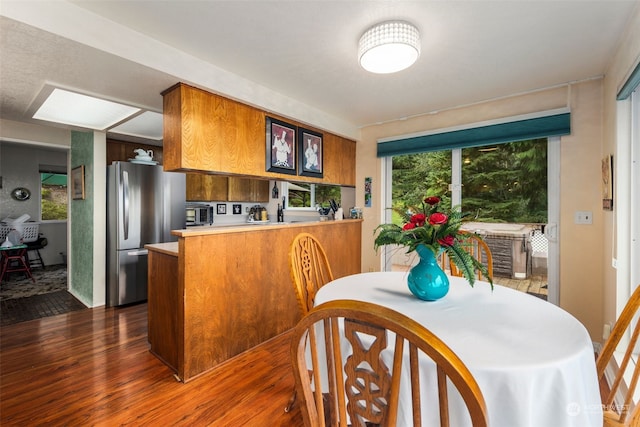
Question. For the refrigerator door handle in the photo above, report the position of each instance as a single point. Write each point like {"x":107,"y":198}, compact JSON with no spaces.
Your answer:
{"x":125,"y":203}
{"x":138,"y":252}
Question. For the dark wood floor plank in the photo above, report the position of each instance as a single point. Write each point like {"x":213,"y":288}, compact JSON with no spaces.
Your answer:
{"x":93,"y":367}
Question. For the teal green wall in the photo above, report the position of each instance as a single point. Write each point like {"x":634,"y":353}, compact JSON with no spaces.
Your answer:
{"x":81,"y":250}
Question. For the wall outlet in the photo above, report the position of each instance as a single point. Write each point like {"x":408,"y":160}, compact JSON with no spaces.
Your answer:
{"x":606,"y":330}
{"x":583,"y":217}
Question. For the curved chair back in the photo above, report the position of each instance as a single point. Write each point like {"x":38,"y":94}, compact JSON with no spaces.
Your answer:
{"x":478,"y":249}
{"x":626,"y":412}
{"x":364,"y":389}
{"x":310,"y":269}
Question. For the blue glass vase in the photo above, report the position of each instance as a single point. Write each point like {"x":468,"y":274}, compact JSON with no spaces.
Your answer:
{"x":426,"y":280}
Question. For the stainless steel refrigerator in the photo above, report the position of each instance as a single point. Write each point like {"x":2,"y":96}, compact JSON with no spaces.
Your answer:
{"x":144,"y":204}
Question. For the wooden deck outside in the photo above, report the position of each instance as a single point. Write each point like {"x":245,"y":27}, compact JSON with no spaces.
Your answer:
{"x":534,"y":284}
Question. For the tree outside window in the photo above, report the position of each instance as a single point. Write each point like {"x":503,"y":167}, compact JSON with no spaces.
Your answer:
{"x":53,"y":196}
{"x":305,"y":195}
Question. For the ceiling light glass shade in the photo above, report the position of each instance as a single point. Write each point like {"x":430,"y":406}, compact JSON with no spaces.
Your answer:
{"x":389,"y":47}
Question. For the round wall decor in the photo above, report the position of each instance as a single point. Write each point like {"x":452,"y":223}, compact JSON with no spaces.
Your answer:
{"x":21,"y":194}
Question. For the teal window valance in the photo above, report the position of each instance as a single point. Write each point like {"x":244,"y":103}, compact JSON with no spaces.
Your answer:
{"x":630,"y":85}
{"x":519,"y":130}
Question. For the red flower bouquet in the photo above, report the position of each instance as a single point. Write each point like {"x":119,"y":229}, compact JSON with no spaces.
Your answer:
{"x":436,"y":228}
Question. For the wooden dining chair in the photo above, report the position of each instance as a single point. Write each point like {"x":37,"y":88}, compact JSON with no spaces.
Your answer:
{"x":626,"y":412}
{"x":364,"y":390}
{"x":478,"y":248}
{"x":310,"y":270}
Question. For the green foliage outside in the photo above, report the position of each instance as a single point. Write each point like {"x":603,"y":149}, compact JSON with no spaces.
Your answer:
{"x":323,"y":193}
{"x":54,"y":203}
{"x":502,"y":183}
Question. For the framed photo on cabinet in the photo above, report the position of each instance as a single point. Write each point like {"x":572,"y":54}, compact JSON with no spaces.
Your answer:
{"x":311,"y":149}
{"x":281,"y":147}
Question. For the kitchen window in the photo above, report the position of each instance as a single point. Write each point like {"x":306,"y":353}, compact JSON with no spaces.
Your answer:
{"x":54,"y":197}
{"x":306,"y":196}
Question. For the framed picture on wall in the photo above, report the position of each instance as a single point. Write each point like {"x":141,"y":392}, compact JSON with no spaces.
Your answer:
{"x":310,"y":149}
{"x":607,"y":183}
{"x":77,"y":182}
{"x":281,"y":147}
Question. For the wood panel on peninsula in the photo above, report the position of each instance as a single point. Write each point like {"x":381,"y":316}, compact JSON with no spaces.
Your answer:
{"x":219,"y":291}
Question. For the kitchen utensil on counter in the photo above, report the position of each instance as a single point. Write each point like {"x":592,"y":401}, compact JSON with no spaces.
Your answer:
{"x":280,"y":213}
{"x":334,"y":205}
{"x":339,"y":214}
{"x":258,"y":213}
{"x":323,"y":211}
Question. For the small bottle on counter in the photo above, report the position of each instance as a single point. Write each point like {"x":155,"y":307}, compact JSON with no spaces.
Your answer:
{"x":280,"y":213}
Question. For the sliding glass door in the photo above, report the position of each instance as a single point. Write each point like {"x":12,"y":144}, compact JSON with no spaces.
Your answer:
{"x":504,"y":190}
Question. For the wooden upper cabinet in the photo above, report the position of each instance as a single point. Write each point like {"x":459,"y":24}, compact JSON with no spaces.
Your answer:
{"x":248,"y":190}
{"x":205,"y":188}
{"x":339,"y":160}
{"x":207,"y":132}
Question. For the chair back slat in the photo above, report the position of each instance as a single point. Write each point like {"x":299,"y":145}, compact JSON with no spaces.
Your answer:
{"x":443,"y":402}
{"x":627,"y":412}
{"x":360,"y":386}
{"x":477,"y":248}
{"x":310,"y":269}
{"x":415,"y":384}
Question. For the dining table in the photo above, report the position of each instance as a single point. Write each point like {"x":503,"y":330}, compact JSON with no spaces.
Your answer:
{"x":533,"y":361}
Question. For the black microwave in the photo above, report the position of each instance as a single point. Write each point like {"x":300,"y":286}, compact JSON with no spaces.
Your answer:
{"x":199,"y":215}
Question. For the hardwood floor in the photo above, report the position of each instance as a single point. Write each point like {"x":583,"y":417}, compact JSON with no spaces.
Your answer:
{"x":93,"y":367}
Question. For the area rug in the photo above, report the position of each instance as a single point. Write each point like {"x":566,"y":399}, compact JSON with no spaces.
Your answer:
{"x":18,"y":310}
{"x":50,"y":279}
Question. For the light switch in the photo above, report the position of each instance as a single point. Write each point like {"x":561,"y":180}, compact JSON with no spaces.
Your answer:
{"x":583,"y":217}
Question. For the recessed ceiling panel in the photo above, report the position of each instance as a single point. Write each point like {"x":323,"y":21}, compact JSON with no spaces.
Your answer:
{"x":146,"y":125}
{"x":75,"y":109}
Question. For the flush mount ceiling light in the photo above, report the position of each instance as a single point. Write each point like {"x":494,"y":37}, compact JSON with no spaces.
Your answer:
{"x":389,"y":47}
{"x":75,"y":109}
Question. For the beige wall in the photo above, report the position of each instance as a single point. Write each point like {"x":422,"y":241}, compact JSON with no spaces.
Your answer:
{"x":581,"y":270}
{"x":614,"y":294}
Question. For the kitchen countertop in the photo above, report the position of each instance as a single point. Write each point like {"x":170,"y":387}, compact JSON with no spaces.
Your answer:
{"x":169,"y":248}
{"x":244,"y":227}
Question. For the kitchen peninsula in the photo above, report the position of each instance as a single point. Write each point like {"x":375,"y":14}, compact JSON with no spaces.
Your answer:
{"x":219,"y":291}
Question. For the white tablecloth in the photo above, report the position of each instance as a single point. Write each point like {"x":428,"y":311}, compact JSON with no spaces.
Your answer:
{"x":533,"y":361}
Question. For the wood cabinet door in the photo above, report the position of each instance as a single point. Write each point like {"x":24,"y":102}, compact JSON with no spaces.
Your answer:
{"x":248,"y":190}
{"x":206,"y":188}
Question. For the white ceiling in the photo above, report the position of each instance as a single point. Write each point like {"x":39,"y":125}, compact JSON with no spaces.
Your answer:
{"x":298,"y":58}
